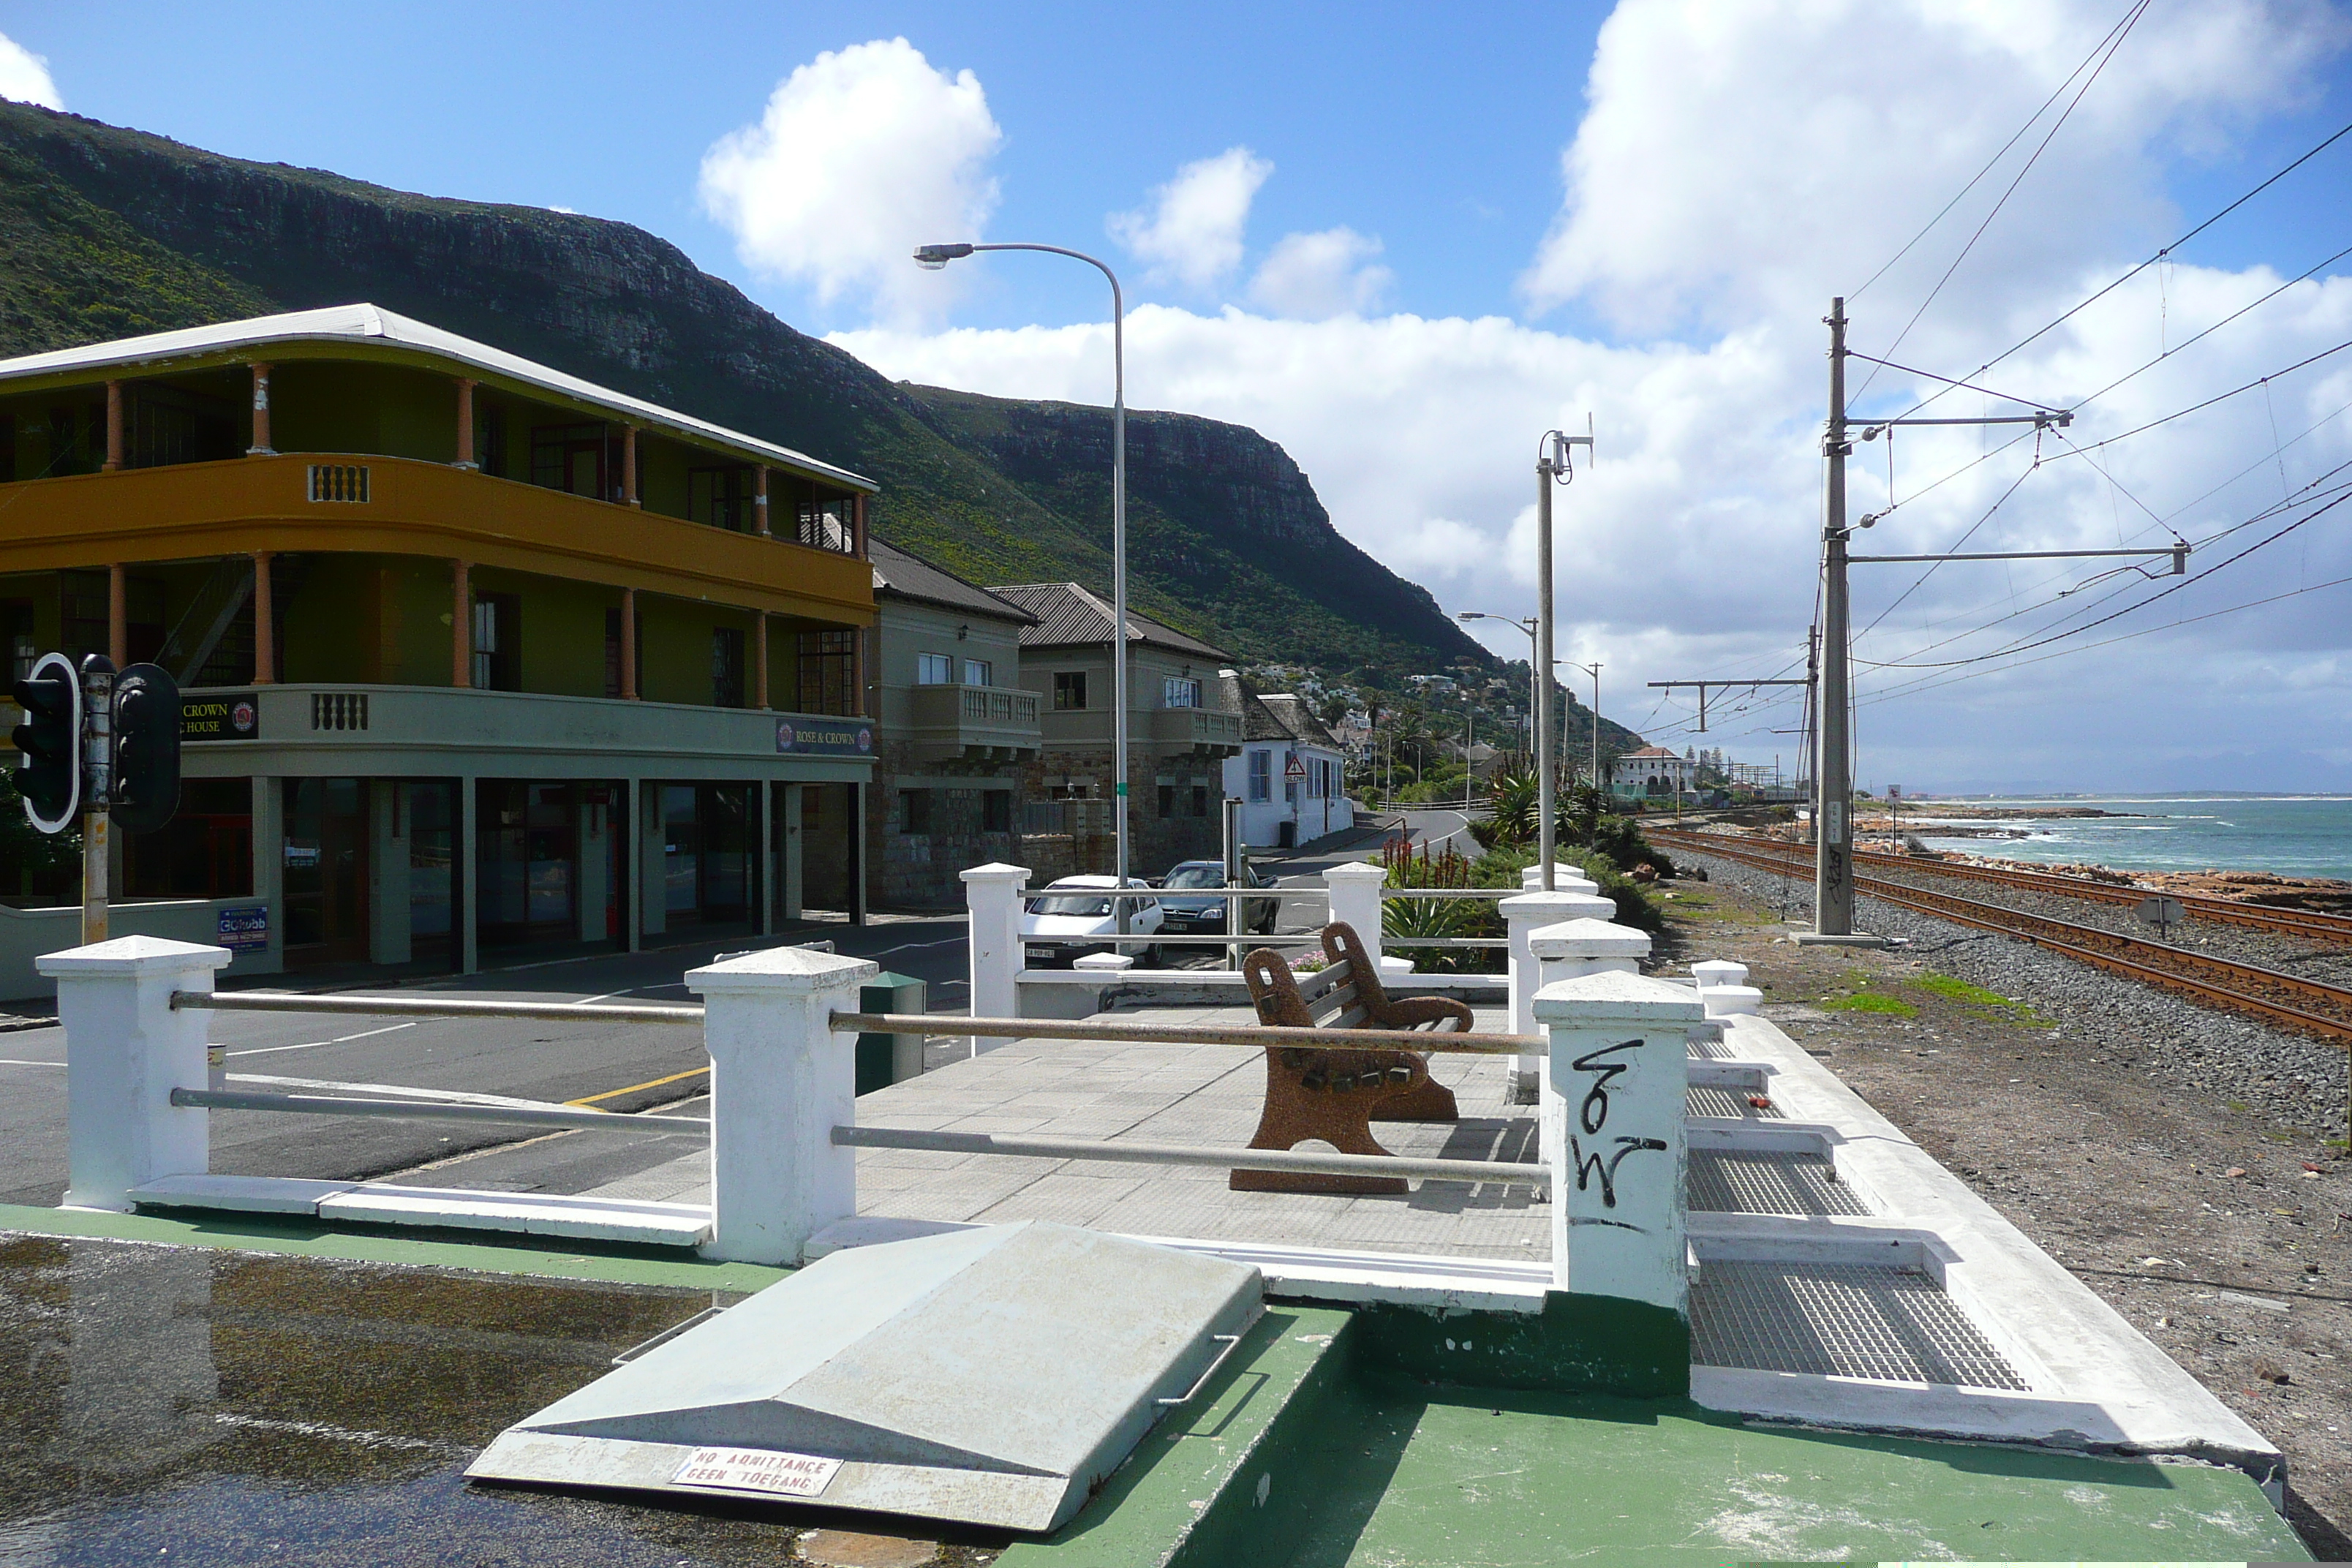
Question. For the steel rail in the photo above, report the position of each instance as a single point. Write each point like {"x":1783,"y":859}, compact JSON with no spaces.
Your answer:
{"x":2113,"y":952}
{"x":2203,"y":906}
{"x":436,"y":1110}
{"x":954,"y":1027}
{"x":1478,"y":1170}
{"x":434,"y":1007}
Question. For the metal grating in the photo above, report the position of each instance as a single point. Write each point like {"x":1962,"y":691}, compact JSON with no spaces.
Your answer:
{"x":1838,"y":1320}
{"x":1714,"y":1099}
{"x":1710,"y":1049}
{"x":1767,"y":1182}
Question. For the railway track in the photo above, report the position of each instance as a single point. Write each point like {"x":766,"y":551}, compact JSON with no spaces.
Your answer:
{"x":2311,"y":923}
{"x":2290,"y":1001}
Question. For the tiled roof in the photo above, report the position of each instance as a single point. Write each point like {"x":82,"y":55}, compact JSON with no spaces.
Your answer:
{"x":1069,"y":615}
{"x":1295,"y":716}
{"x":1650,"y":752}
{"x":374,"y":324}
{"x":1258,"y":722}
{"x":900,"y":575}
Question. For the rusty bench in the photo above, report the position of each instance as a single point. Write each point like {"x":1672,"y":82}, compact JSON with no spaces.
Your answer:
{"x":1334,"y":1096}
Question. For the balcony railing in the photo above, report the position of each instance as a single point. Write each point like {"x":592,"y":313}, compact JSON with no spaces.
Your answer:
{"x":977,"y":722}
{"x":1196,"y":729}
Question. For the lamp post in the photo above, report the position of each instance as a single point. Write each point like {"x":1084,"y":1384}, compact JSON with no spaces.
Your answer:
{"x":1536,"y":688}
{"x":1593,"y":671}
{"x":935,"y":257}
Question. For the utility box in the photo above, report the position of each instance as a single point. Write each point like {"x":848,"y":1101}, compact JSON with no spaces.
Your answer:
{"x":885,"y":1059}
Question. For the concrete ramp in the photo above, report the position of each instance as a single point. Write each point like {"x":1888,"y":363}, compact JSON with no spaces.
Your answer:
{"x":988,"y":1376}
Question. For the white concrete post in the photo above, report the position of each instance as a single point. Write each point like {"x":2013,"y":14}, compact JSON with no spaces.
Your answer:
{"x":1712,"y":972}
{"x":1570,"y":950}
{"x":1521,"y":915}
{"x":1619,"y":1072}
{"x":126,"y":1051}
{"x":780,"y":1080}
{"x":992,"y":895}
{"x":1356,"y":900}
{"x":1565,"y":878}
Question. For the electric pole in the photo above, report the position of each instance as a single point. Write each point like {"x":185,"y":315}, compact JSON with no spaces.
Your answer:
{"x":1833,"y":858}
{"x":1552,"y":466}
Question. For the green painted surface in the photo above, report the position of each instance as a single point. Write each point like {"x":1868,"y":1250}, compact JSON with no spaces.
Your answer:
{"x":1577,"y":1344}
{"x":1404,"y":1475}
{"x":314,"y":1239}
{"x":1253,"y":1418}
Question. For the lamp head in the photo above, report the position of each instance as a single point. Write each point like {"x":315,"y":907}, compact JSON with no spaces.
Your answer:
{"x":1469,"y":615}
{"x":934,"y":256}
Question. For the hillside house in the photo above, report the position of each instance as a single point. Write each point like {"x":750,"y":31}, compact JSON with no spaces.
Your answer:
{"x":479,"y":658}
{"x":1178,"y":735}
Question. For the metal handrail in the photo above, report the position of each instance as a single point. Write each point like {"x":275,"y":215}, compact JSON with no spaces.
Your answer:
{"x":436,"y":1110}
{"x":1254,"y":938}
{"x":1478,"y":1170}
{"x":1247,"y":1035}
{"x":387,"y":1006}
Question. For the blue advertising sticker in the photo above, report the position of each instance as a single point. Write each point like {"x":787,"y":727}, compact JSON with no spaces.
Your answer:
{"x":244,"y":930}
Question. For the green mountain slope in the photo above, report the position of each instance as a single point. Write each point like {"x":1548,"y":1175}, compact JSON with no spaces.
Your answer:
{"x":106,"y":232}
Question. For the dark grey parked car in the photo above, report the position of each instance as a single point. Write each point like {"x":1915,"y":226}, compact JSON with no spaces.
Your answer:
{"x":1207,"y":917}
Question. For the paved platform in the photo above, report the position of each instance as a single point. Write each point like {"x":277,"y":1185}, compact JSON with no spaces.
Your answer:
{"x":1208,"y":1095}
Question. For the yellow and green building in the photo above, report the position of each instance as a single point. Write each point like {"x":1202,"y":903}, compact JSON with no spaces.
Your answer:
{"x":479,"y":658}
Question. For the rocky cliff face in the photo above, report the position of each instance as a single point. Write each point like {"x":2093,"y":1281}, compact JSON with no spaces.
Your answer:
{"x":106,"y":232}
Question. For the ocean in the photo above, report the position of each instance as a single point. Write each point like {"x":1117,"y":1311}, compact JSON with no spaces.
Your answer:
{"x":2295,"y":836}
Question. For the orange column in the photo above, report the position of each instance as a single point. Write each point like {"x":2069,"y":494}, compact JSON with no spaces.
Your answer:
{"x":629,"y":464}
{"x":265,"y":624}
{"x":114,"y":428}
{"x":465,"y":423}
{"x":461,"y":624}
{"x":759,"y":506}
{"x":857,"y":524}
{"x":118,"y":615}
{"x":759,"y":658}
{"x":261,"y":446}
{"x":629,"y":644}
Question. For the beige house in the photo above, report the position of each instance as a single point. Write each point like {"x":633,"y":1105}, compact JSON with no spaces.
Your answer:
{"x":1179,"y":732}
{"x":954,"y":730}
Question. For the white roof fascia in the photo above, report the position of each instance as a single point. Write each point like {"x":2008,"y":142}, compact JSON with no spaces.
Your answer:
{"x":360,"y":324}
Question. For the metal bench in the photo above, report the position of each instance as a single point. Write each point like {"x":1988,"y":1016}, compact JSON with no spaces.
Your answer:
{"x":1335,"y":1096}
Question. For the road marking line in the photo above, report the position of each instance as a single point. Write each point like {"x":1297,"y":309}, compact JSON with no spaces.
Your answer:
{"x":13,"y":1062}
{"x":617,"y":1093}
{"x":307,"y":1045}
{"x":908,"y":947}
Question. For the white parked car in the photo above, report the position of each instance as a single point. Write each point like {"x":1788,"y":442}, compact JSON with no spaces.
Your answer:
{"x":1068,"y":918}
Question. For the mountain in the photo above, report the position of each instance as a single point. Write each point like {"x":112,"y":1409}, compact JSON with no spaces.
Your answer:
{"x":106,"y":232}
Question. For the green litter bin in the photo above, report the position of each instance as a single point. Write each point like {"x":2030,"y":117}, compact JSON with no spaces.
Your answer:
{"x":885,"y":1059}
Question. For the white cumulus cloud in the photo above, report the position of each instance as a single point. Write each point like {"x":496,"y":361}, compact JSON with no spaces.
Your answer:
{"x":1192,"y":233}
{"x":24,"y":75}
{"x":1332,"y":273}
{"x":1730,"y":174}
{"x":861,"y":155}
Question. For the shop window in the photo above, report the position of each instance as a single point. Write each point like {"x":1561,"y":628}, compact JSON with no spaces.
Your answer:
{"x":828,"y":671}
{"x":996,"y":811}
{"x":727,"y":667}
{"x":914,"y":811}
{"x":1069,"y":691}
{"x":934,"y":669}
{"x":205,"y":851}
{"x":979,"y":672}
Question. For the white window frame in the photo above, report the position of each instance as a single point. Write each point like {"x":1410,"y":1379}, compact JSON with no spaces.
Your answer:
{"x":979,"y":672}
{"x":1261,"y":775}
{"x":930,"y":665}
{"x":1179,"y":691}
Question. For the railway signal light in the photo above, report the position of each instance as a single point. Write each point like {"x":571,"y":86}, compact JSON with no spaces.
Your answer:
{"x":48,"y":743}
{"x":146,"y":748}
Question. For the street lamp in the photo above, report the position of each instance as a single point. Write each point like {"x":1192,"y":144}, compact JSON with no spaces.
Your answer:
{"x":1535,"y":680}
{"x":934,"y":256}
{"x":1593,"y":671}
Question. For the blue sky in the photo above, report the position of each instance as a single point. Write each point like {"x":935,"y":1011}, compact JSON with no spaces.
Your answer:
{"x":1402,"y":241}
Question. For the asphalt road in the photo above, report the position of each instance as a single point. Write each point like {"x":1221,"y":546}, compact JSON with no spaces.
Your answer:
{"x":620,"y":1067}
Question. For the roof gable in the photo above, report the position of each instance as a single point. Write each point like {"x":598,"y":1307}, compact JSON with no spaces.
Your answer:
{"x":1068,"y":615}
{"x":899,"y":574}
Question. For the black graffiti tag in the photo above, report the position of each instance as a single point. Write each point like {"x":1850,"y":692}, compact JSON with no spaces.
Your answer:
{"x":1586,"y":1167}
{"x":1598,"y":1095}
